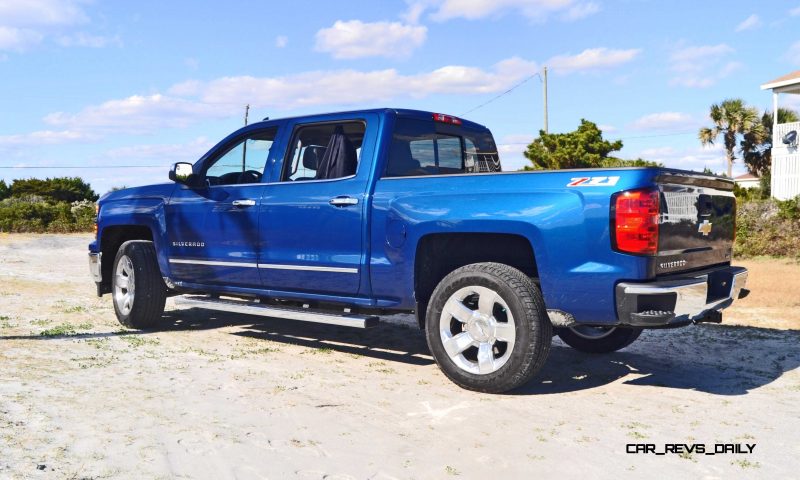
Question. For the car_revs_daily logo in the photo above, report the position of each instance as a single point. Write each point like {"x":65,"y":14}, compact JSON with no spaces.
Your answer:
{"x":593,"y":181}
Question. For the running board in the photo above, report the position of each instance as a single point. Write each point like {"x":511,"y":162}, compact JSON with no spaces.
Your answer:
{"x":272,"y":311}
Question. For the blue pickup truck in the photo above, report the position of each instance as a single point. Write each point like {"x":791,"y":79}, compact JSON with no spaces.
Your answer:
{"x":340,"y":218}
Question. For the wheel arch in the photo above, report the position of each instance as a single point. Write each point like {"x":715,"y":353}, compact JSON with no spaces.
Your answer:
{"x":111,"y":239}
{"x":438,"y":254}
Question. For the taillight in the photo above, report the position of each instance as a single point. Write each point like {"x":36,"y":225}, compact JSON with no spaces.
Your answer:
{"x":441,"y":117}
{"x":635,"y":221}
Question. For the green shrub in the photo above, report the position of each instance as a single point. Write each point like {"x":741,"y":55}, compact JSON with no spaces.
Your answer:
{"x":59,"y":189}
{"x":33,"y":214}
{"x":768,"y":227}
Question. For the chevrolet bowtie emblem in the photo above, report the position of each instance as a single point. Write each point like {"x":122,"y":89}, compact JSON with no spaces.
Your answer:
{"x":704,"y":228}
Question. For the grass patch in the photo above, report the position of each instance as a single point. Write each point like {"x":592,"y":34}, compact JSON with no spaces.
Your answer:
{"x":319,"y":351}
{"x":451,"y":470}
{"x":58,"y":331}
{"x":256,"y":351}
{"x":137,"y":341}
{"x":75,"y":309}
{"x":745,"y":464}
{"x":65,"y":329}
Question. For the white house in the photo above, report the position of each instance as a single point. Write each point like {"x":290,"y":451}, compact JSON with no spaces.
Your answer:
{"x":747,"y":180}
{"x":785,"y":156}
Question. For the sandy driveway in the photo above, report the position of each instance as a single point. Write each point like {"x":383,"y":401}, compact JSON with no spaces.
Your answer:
{"x":228,"y":396}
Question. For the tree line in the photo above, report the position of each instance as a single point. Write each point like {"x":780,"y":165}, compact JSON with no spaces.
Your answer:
{"x":57,"y":205}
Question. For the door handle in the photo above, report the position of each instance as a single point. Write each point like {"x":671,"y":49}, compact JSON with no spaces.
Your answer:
{"x":343,"y":201}
{"x":244,"y":203}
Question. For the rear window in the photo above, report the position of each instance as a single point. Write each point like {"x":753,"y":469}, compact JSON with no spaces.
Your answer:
{"x":421,"y":147}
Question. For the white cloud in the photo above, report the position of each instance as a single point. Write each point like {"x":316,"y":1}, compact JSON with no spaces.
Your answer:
{"x":592,"y":59}
{"x":415,"y":10}
{"x":750,"y":23}
{"x":581,"y":10}
{"x":665,"y":121}
{"x":281,"y":41}
{"x":25,"y":23}
{"x":348,"y":87}
{"x":12,"y":38}
{"x":537,"y":10}
{"x":138,"y":114}
{"x":794,"y":12}
{"x":41,"y":12}
{"x":701,"y":66}
{"x":357,"y":39}
{"x":44,"y":137}
{"x":194,"y":101}
{"x":607,"y":128}
{"x":83,"y":39}
{"x":685,"y":58}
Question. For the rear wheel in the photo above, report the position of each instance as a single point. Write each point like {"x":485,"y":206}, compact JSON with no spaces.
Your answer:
{"x":591,"y":339}
{"x":138,"y":291}
{"x":487,"y":327}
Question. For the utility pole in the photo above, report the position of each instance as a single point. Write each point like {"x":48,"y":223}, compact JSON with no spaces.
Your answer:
{"x":244,"y":145}
{"x":544,"y":87}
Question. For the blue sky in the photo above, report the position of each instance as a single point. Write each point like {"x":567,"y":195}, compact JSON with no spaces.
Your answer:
{"x":98,"y":84}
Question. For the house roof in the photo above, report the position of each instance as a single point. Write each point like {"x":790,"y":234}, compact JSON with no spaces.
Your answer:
{"x":746,"y":176}
{"x":790,"y":79}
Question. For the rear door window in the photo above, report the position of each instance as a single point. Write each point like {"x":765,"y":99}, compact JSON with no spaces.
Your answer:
{"x":324,"y":151}
{"x":422,"y":147}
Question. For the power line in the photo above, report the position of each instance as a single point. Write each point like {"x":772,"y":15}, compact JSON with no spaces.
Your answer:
{"x":20,"y":167}
{"x":526,"y":80}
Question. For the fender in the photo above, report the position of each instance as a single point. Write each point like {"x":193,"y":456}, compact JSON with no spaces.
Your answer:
{"x":141,"y":206}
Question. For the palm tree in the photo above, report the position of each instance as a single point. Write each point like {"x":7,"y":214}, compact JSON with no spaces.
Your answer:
{"x":731,"y":118}
{"x":757,"y":148}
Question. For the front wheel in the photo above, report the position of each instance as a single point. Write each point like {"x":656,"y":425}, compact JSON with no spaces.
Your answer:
{"x":138,"y":290}
{"x":591,"y":339}
{"x":487,"y":327}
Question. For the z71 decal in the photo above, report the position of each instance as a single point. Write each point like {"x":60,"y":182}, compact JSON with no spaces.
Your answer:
{"x":593,"y":182}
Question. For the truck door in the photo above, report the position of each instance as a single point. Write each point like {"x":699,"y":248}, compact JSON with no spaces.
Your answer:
{"x":313,"y":219}
{"x":213,"y":230}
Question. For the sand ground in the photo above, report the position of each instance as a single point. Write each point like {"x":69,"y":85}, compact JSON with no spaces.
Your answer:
{"x":225,"y":396}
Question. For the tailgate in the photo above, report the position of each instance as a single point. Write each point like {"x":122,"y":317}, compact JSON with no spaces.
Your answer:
{"x":697,"y":222}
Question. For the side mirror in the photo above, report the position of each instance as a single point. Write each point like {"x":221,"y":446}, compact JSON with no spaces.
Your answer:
{"x":181,"y":172}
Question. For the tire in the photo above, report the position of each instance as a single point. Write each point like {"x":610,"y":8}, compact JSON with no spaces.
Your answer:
{"x":598,"y":339}
{"x":496,"y":328}
{"x":142,"y":305}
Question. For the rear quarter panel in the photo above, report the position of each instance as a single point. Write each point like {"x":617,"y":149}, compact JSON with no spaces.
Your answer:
{"x":567,"y":227}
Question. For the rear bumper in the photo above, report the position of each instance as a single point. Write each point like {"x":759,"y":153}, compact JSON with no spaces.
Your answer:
{"x":680,"y":300}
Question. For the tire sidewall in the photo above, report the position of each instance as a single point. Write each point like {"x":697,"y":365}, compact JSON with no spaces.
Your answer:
{"x":617,"y":340}
{"x":138,"y":252}
{"x":524,"y":321}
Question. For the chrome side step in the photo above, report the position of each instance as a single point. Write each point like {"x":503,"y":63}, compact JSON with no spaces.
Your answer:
{"x":261,"y":310}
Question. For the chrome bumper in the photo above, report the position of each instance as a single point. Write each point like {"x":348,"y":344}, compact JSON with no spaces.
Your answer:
{"x":681,"y":299}
{"x":94,"y":266}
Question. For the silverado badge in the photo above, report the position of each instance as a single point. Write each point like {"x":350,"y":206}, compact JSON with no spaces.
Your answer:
{"x":704,"y":228}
